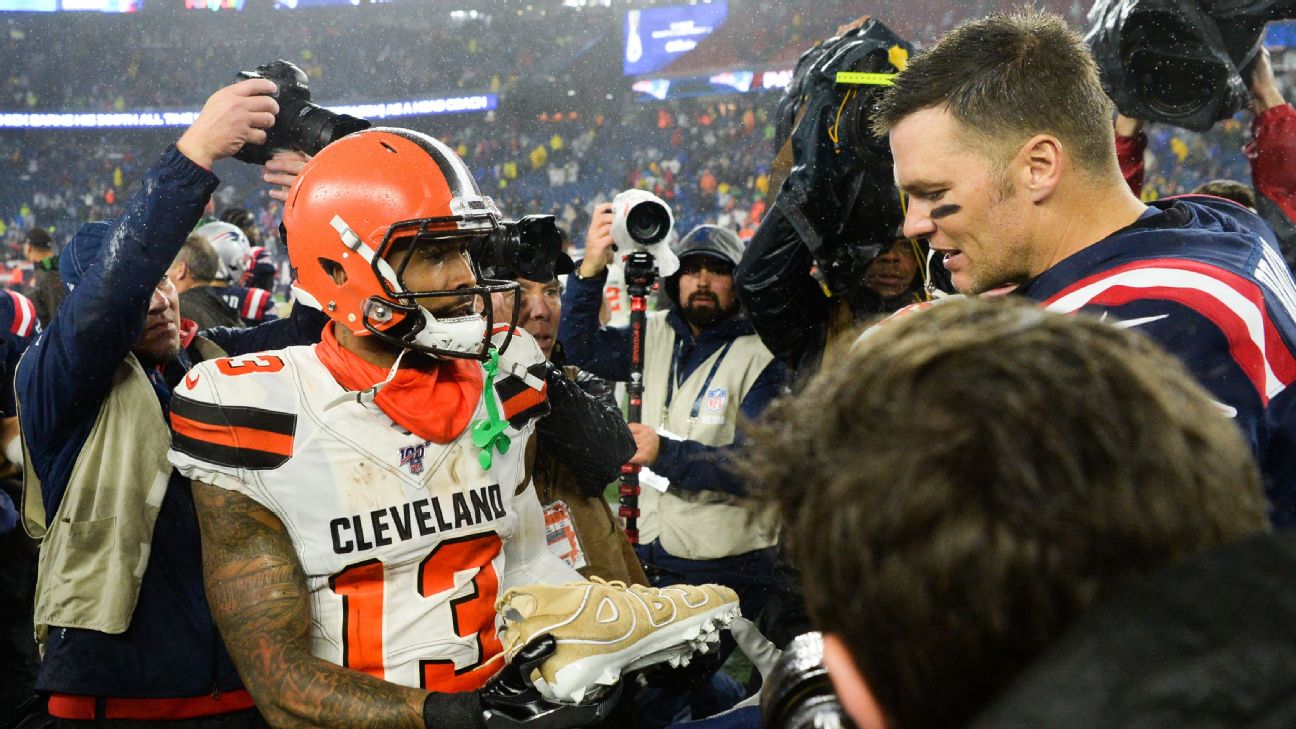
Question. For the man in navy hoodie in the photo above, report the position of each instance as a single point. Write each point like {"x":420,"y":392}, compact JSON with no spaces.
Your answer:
{"x":1002,"y":139}
{"x":120,"y":607}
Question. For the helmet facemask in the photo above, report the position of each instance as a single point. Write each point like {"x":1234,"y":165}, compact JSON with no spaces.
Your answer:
{"x":462,"y":334}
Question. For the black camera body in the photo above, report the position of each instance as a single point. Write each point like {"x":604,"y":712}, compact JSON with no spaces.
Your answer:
{"x":300,"y":124}
{"x":1180,"y":62}
{"x":529,"y":248}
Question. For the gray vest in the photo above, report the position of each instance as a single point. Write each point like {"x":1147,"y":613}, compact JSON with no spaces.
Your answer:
{"x":93,"y":555}
{"x":702,"y":524}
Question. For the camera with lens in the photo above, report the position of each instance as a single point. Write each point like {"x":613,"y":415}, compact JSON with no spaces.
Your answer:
{"x":526,"y":248}
{"x":1179,"y":62}
{"x":798,"y":693}
{"x":642,"y":222}
{"x":840,"y":194}
{"x":300,"y":124}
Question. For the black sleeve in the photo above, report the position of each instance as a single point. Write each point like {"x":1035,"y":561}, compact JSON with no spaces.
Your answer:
{"x":787,"y":306}
{"x":585,"y":432}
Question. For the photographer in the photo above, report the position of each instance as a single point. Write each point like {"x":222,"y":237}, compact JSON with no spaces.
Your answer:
{"x":790,"y":310}
{"x":829,"y":253}
{"x":704,"y":370}
{"x":1272,"y":151}
{"x":120,"y":609}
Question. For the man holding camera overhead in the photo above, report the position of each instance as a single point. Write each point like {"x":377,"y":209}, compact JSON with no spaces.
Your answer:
{"x":704,"y":370}
{"x":120,"y":609}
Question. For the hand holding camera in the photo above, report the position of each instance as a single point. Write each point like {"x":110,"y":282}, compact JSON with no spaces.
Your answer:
{"x":298,"y":124}
{"x":1263,"y":86}
{"x":598,"y":242}
{"x":235,"y":116}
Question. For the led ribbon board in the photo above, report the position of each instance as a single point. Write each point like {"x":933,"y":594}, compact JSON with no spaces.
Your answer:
{"x":183,"y":118}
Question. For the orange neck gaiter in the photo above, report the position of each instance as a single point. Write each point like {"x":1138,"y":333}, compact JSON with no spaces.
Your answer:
{"x":434,"y":403}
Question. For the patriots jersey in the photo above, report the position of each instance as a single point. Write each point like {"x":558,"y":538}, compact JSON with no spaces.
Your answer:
{"x":18,"y":326}
{"x":405,"y":543}
{"x":252,"y":305}
{"x":1204,"y":278}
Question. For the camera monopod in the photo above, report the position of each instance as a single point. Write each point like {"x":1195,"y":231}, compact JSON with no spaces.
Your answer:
{"x":640,"y":273}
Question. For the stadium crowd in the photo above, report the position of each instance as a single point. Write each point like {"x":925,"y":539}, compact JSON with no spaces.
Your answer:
{"x":1012,"y":434}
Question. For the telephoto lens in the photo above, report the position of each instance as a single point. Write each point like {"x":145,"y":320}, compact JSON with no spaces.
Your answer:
{"x":641,"y":218}
{"x":798,"y":693}
{"x":641,"y":221}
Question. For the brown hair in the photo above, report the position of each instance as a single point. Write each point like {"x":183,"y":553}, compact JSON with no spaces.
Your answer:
{"x":1006,"y":78}
{"x":201,"y":257}
{"x":1229,"y":190}
{"x":966,"y":481}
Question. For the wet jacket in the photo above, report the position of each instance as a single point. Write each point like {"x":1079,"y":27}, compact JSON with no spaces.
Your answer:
{"x":787,"y":306}
{"x":571,"y":467}
{"x":1203,"y":277}
{"x":605,"y":351}
{"x":1206,"y":644}
{"x":171,"y":648}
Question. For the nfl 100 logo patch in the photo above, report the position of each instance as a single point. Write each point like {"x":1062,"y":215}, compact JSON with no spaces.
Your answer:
{"x":717,"y":398}
{"x":412,"y":456}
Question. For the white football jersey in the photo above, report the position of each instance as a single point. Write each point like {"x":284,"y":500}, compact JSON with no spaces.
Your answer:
{"x":403,"y":541}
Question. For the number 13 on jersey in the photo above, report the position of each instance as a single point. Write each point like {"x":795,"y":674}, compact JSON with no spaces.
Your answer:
{"x":370,"y":601}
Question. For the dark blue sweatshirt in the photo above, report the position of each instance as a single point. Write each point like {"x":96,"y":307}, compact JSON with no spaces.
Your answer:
{"x":172,"y":648}
{"x":605,"y":351}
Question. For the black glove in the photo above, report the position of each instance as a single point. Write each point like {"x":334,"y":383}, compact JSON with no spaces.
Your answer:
{"x":509,"y":700}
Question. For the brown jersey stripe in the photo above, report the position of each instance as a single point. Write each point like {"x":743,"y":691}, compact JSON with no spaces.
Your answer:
{"x":507,"y":387}
{"x":222,"y":455}
{"x":270,"y":421}
{"x":525,"y":400}
{"x":233,"y":437}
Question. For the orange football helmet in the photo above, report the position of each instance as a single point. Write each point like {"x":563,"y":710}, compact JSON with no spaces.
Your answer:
{"x":349,"y":206}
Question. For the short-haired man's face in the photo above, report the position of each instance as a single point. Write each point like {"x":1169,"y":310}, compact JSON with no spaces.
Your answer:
{"x":160,"y":339}
{"x":706,"y":294}
{"x":969,"y":211}
{"x":539,"y":310}
{"x":893,"y":271}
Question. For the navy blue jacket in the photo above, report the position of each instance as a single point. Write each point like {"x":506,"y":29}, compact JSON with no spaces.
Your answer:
{"x":1204,"y":278}
{"x":172,"y":648}
{"x":605,"y":351}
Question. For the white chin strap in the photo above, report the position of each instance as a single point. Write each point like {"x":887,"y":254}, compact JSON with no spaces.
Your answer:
{"x":463,"y":334}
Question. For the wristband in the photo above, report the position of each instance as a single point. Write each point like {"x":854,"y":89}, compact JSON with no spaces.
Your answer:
{"x":453,"y":711}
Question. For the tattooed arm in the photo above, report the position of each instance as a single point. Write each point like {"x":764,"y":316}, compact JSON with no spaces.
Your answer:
{"x":258,"y":595}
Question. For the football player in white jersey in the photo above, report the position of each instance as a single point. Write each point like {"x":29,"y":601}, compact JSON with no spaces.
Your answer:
{"x":352,"y":518}
{"x":365,"y":501}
